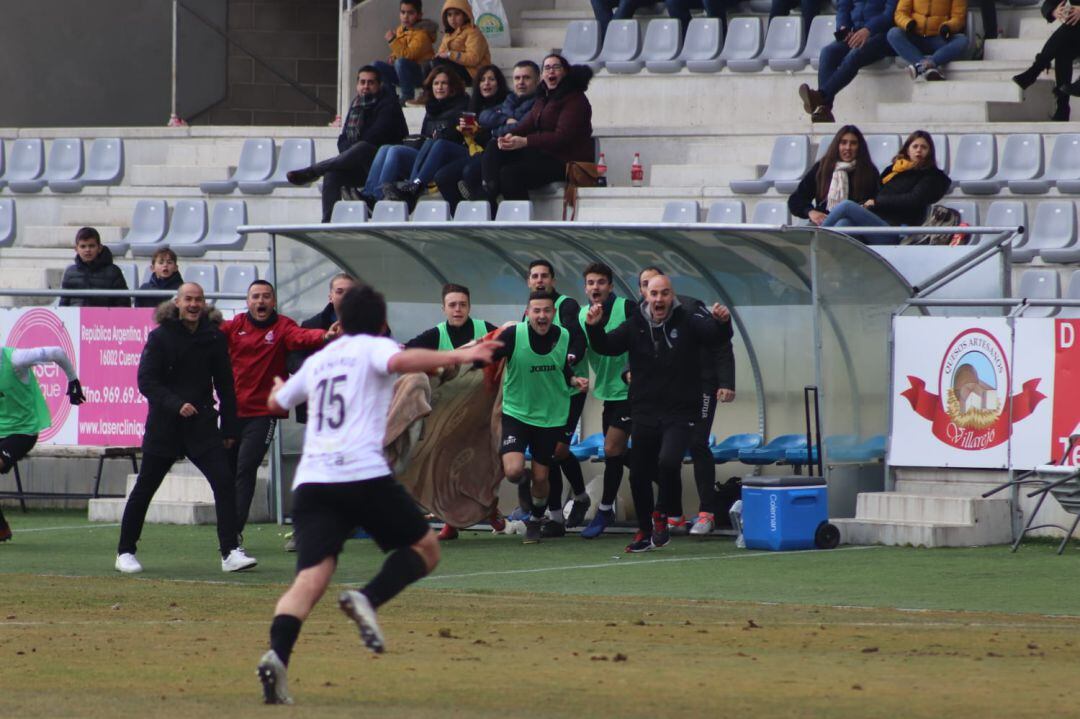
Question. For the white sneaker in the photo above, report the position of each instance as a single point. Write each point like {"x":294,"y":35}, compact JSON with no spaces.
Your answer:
{"x":127,"y":563}
{"x":357,"y":608}
{"x":237,"y":561}
{"x":704,"y":524}
{"x":271,"y":673}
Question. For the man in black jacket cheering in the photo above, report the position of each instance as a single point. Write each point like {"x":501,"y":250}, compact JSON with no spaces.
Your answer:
{"x":185,"y":360}
{"x":374,"y":119}
{"x":664,"y":341}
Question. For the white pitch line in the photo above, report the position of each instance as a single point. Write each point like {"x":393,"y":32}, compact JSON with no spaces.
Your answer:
{"x":74,"y":526}
{"x":637,"y":563}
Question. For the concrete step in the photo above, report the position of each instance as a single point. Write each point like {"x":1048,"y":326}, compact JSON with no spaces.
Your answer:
{"x":1034,"y":27}
{"x":506,"y":57}
{"x":1020,"y":50}
{"x":539,"y":36}
{"x":927,"y":508}
{"x":915,"y":534}
{"x":917,"y":113}
{"x":96,"y":213}
{"x":63,"y":236}
{"x":943,"y":92}
{"x":682,"y":175}
{"x":159,"y":512}
{"x":170,"y":175}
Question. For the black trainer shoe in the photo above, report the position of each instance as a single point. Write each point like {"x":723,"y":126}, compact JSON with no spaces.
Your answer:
{"x":578,"y":508}
{"x":304,"y":176}
{"x":532,"y":530}
{"x":552,"y":530}
{"x":642,"y":543}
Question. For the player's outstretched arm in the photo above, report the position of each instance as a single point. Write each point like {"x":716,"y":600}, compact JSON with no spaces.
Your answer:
{"x":421,"y":360}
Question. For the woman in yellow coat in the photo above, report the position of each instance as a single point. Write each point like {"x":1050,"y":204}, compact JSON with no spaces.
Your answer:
{"x":464,"y":47}
{"x":929,"y":34}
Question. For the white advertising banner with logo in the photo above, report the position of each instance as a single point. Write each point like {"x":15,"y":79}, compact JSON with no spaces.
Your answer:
{"x":971,"y":392}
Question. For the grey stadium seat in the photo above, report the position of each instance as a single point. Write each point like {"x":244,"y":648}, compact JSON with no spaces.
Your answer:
{"x":822,"y":32}
{"x":225,"y":218}
{"x":726,"y":212}
{"x":149,"y":221}
{"x":743,"y":43}
{"x":975,"y":158}
{"x":236,"y":278}
{"x":969,"y":211}
{"x":784,"y":44}
{"x":582,"y":41}
{"x":349,"y":212}
{"x":131,"y":274}
{"x":473,"y":211}
{"x":1064,"y":165}
{"x":431,"y":211}
{"x":1072,"y":292}
{"x":787,"y":165}
{"x":514,"y":211}
{"x":1021,"y":159}
{"x":390,"y":211}
{"x":205,"y":275}
{"x":187,"y":227}
{"x":701,"y":49}
{"x":663,"y":41}
{"x":883,"y":149}
{"x":622,"y":45}
{"x":1007,"y":213}
{"x":104,"y":166}
{"x":1052,"y":235}
{"x":2,"y":180}
{"x":681,"y":211}
{"x":255,"y":165}
{"x":941,"y":150}
{"x":25,"y":165}
{"x":1036,"y":284}
{"x":771,"y":212}
{"x":65,"y":164}
{"x":7,"y":222}
{"x":295,"y":153}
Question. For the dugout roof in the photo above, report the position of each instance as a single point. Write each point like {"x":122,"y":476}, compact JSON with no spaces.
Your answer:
{"x":811,"y":307}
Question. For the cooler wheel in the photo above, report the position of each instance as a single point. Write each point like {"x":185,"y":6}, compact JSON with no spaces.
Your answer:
{"x":827,"y":536}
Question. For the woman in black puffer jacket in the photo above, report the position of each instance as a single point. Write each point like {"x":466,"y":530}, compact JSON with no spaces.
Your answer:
{"x":446,"y":99}
{"x":909,"y":186}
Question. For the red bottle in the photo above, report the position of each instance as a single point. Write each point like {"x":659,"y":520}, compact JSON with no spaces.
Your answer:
{"x":601,"y":171}
{"x":637,"y":172}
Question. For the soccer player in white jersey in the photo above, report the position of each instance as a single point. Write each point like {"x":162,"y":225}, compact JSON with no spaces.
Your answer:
{"x":343,"y":480}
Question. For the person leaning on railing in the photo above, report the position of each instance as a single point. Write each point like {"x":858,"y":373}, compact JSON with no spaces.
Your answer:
{"x":909,"y":186}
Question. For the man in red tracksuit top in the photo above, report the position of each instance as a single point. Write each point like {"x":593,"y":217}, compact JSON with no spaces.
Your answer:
{"x":258,"y":342}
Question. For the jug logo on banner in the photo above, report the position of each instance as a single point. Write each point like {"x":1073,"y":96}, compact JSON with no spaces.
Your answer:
{"x":973,"y":408}
{"x":42,"y":328}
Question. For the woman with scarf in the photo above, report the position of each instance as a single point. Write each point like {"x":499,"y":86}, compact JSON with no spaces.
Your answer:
{"x":445,"y":99}
{"x":556,"y":131}
{"x":909,"y":186}
{"x":491,"y":90}
{"x":1062,"y":49}
{"x":845,"y":172}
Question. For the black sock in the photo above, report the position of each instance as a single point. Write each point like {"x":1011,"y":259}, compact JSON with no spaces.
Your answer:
{"x":3,"y":522}
{"x":613,"y":471}
{"x":401,"y":568}
{"x":554,"y":501}
{"x":571,"y":467}
{"x":284,"y":631}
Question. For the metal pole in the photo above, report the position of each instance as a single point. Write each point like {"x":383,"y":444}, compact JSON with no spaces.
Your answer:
{"x":174,"y":119}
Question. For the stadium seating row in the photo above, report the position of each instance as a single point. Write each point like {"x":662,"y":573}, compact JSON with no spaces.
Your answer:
{"x":975,"y":167}
{"x":27,"y":171}
{"x":349,"y":212}
{"x":235,"y":278}
{"x":188,"y":233}
{"x":256,"y":172}
{"x":1045,"y":284}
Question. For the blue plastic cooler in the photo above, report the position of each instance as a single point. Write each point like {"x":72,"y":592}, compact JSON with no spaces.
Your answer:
{"x":783,"y":513}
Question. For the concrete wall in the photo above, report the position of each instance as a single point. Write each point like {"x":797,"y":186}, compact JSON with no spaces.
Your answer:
{"x":299,"y":39}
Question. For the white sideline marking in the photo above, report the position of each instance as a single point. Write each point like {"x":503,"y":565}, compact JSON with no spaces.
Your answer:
{"x":639,"y":562}
{"x":74,"y":526}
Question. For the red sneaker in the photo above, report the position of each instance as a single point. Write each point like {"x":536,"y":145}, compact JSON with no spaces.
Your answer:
{"x":498,"y":524}
{"x":642,"y":543}
{"x":447,"y":533}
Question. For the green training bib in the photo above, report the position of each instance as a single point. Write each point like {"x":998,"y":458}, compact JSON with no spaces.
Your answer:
{"x":479,"y":329}
{"x":608,"y":384}
{"x":534,"y":388}
{"x":22,"y":405}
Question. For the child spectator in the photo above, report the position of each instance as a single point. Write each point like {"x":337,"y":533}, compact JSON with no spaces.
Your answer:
{"x":845,"y":172}
{"x":464,"y":47}
{"x":93,"y":270}
{"x":861,"y":27}
{"x":909,"y":186}
{"x":410,"y":46}
{"x":928,"y":35}
{"x":164,"y":275}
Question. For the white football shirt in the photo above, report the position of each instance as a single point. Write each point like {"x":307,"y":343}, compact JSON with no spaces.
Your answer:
{"x":348,"y":389}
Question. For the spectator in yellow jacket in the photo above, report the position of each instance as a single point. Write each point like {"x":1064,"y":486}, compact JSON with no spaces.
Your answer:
{"x":464,"y":47}
{"x":929,"y":34}
{"x":411,"y":45}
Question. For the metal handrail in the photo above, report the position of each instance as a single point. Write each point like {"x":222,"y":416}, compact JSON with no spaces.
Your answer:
{"x":229,"y":39}
{"x":163,"y":294}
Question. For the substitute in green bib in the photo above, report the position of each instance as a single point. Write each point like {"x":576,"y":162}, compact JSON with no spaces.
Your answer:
{"x":541,"y":278}
{"x":609,"y":386}
{"x":23,"y":412}
{"x":537,"y":381}
{"x":458,"y":329}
